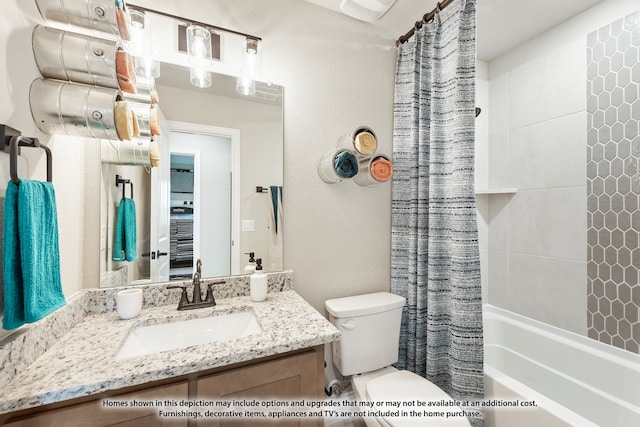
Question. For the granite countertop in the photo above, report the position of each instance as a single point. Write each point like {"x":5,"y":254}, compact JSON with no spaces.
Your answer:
{"x":83,"y":361}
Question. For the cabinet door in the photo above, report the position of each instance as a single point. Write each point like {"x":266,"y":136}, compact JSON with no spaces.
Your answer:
{"x":95,"y":414}
{"x":295,"y":377}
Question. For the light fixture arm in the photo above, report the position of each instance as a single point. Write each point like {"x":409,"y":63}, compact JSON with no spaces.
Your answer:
{"x":191,"y":22}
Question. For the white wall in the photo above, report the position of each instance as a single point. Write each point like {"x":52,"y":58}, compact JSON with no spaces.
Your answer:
{"x":338,"y":74}
{"x":537,"y":143}
{"x":76,"y":183}
{"x":482,"y":171}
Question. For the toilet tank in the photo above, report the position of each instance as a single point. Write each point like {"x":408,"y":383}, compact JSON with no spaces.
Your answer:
{"x":370,"y":331}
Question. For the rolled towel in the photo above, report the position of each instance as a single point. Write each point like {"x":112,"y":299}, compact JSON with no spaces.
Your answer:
{"x":125,"y":71}
{"x":134,"y":124}
{"x":124,"y":120}
{"x":365,"y":142}
{"x":154,"y":123}
{"x":154,"y":153}
{"x":345,"y":164}
{"x":123,"y":24}
{"x":153,"y":91}
{"x":120,"y":4}
{"x":381,"y":169}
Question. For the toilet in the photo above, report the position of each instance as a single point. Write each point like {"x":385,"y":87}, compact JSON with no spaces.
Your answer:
{"x":370,"y":332}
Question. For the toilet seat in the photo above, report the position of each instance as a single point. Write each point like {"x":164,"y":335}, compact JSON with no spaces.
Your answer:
{"x":407,"y":386}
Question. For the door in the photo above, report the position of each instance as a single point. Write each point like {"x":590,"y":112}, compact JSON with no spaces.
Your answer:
{"x":159,"y":233}
{"x":212,"y":198}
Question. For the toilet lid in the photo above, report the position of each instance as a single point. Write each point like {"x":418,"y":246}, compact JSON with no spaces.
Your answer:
{"x":406,"y":386}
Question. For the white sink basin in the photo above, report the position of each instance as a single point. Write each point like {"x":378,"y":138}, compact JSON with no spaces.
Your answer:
{"x":185,"y":333}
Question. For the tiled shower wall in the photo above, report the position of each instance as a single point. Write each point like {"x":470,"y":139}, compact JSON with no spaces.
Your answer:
{"x":613,"y":183}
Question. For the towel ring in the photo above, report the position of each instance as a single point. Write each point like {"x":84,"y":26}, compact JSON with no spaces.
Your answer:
{"x":124,"y":182}
{"x":13,"y":140}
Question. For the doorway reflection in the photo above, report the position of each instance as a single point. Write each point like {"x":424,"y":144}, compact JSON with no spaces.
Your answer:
{"x":201,"y":203}
{"x":181,"y":221}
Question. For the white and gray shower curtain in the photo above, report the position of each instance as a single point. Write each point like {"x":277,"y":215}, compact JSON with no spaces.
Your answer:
{"x":435,"y":260}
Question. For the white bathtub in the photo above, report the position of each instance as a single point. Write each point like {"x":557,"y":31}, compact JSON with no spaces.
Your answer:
{"x":576,"y":381}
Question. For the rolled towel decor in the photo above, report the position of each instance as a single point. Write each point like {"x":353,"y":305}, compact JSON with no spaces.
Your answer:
{"x":154,"y":95}
{"x":126,"y":72}
{"x":381,"y":169}
{"x":338,"y":164}
{"x":372,"y":170}
{"x":124,"y":118}
{"x":134,"y":124}
{"x":365,"y":141}
{"x":154,"y":153}
{"x":154,"y":123}
{"x":345,"y":164}
{"x":123,"y":24}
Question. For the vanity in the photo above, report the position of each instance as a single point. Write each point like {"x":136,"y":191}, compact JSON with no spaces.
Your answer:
{"x":78,"y":374}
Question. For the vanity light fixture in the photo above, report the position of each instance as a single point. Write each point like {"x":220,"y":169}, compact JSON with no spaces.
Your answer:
{"x":199,"y":50}
{"x":199,"y":37}
{"x":251,"y":67}
{"x":141,"y":50}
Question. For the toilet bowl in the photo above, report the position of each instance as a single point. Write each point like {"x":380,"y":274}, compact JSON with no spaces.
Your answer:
{"x":368,"y":346}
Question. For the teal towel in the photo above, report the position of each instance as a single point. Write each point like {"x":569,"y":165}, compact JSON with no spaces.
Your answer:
{"x":124,"y":239}
{"x":345,"y":164}
{"x":276,"y":199}
{"x":32,"y":285}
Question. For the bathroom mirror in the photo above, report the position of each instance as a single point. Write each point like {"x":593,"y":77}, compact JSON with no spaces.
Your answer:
{"x":217,"y":148}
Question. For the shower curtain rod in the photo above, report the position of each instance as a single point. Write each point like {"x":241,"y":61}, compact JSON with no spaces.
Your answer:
{"x":428,"y":17}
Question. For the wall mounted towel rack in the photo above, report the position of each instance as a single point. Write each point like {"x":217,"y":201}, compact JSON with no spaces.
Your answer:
{"x":12,"y":140}
{"x":124,"y":182}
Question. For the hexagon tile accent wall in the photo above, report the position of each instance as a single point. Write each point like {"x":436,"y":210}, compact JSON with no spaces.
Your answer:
{"x":613,"y":183}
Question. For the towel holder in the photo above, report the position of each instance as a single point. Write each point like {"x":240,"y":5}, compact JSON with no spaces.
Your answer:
{"x":12,"y":141}
{"x":124,"y":182}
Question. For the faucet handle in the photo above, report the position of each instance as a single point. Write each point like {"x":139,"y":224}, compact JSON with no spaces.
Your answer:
{"x":199,"y":267}
{"x":209,"y":297}
{"x":183,"y":298}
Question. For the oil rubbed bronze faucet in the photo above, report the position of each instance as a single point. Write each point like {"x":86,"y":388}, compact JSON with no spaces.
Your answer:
{"x":196,"y":301}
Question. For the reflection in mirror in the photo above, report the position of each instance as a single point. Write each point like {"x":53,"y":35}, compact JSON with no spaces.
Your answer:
{"x":216,"y":147}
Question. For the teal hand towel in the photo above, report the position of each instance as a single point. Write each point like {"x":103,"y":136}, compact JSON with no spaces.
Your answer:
{"x":125,"y":238}
{"x":276,"y":199}
{"x":32,"y":284}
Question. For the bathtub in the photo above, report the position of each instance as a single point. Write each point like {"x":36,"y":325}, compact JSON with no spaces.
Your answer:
{"x":574,"y":380}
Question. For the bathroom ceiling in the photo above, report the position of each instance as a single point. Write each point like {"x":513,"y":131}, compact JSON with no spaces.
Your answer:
{"x":502,"y":24}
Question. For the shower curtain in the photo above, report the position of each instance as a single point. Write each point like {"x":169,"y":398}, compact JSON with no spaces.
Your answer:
{"x":435,"y":262}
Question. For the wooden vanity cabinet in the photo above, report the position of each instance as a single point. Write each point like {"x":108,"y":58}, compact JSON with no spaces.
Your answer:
{"x":94,"y":414}
{"x":292,"y":376}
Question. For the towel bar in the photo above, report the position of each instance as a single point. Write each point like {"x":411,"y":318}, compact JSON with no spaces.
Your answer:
{"x":12,"y":141}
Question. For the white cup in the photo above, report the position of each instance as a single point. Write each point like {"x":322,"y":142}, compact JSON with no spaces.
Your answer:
{"x":129,"y":303}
